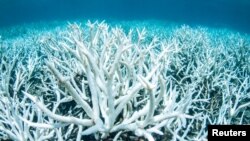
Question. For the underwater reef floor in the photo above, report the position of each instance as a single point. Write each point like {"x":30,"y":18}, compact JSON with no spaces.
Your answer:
{"x":122,"y":80}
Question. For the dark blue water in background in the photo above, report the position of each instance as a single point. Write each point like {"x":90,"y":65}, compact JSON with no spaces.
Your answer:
{"x":226,"y":13}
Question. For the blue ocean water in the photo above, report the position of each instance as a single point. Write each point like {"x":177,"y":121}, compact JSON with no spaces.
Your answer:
{"x":234,"y":14}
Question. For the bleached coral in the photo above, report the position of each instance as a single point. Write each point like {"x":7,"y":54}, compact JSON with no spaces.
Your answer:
{"x":103,"y":82}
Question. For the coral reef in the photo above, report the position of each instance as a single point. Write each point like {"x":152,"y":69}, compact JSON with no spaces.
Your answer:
{"x":103,"y":83}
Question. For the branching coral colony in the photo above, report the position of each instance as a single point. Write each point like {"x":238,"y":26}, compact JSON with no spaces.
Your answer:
{"x":98,"y":83}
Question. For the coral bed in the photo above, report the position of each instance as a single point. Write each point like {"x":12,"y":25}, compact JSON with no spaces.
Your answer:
{"x":96,"y":82}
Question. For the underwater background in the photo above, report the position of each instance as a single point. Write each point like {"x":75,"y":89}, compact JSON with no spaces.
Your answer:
{"x":234,"y":14}
{"x":156,"y":70}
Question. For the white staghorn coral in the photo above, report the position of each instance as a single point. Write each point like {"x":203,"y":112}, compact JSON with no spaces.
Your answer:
{"x":121,"y":83}
{"x":98,"y":82}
